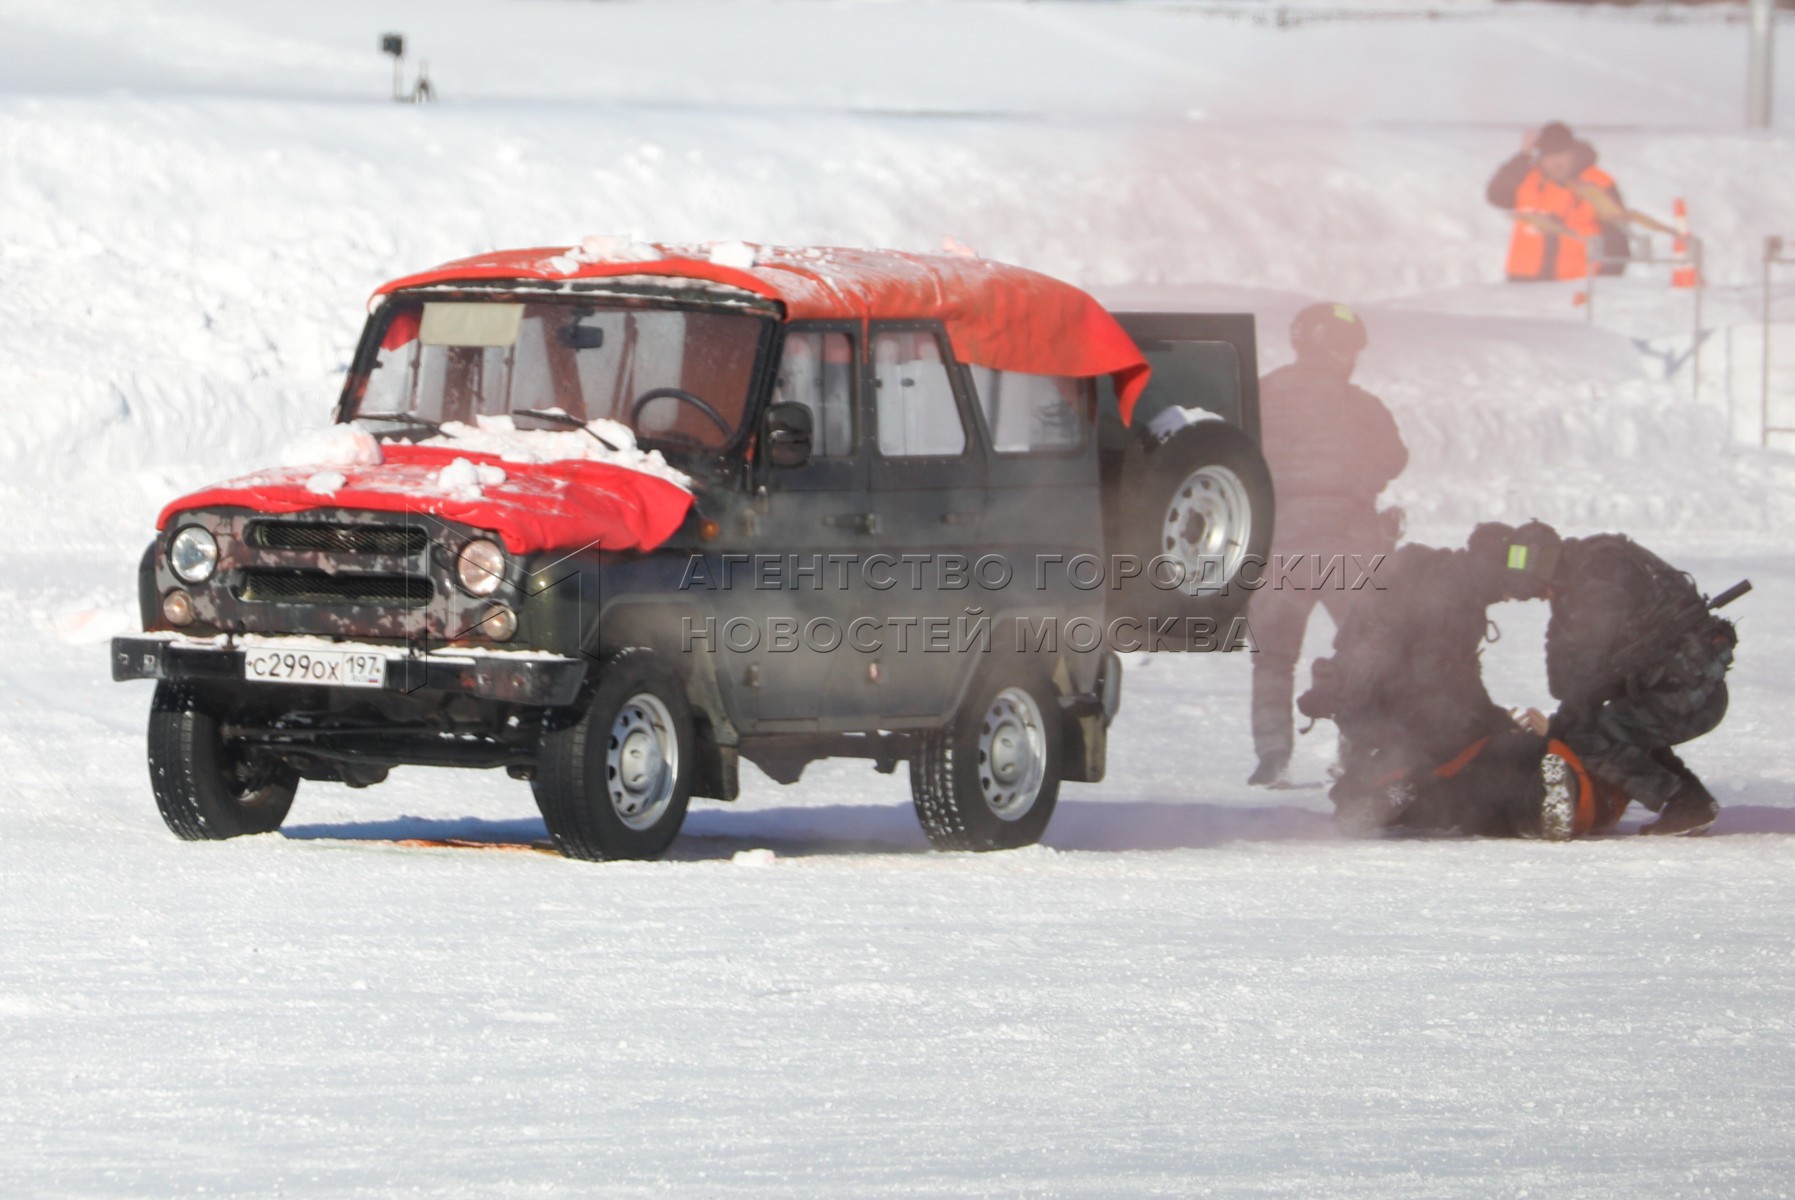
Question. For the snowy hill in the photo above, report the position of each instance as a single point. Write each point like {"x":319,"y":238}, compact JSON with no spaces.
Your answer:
{"x":198,"y":206}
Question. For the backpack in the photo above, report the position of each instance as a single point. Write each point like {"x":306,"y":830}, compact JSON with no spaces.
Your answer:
{"x":1586,"y":636}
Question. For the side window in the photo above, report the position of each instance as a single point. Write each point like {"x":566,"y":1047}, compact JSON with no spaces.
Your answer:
{"x":915,"y":397}
{"x":816,"y":370}
{"x":1191,"y":374}
{"x":1027,"y":413}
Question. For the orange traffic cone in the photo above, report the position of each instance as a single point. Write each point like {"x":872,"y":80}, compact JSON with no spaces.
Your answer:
{"x":1685,"y":275}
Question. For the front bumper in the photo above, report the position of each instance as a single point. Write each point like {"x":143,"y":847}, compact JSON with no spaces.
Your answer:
{"x":545,"y":680}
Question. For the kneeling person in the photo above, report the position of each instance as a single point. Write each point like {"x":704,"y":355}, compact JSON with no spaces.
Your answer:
{"x":1638,"y":662}
{"x":1422,"y":744}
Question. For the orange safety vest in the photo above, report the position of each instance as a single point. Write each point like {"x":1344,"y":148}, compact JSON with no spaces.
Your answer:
{"x":1536,"y":254}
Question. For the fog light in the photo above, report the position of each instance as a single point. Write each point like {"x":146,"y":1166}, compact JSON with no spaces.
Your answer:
{"x":499,"y":623}
{"x":177,"y":608}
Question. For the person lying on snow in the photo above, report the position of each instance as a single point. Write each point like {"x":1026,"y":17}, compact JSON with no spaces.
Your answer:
{"x":1425,"y":749}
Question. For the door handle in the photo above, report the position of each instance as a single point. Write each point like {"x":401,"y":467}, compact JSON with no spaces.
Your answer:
{"x":864,"y":522}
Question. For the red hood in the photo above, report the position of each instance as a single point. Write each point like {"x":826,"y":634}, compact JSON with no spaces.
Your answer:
{"x":565,"y":505}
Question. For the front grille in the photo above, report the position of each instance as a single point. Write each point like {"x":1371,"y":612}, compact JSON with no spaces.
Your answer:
{"x":315,"y":587}
{"x":340,"y":539}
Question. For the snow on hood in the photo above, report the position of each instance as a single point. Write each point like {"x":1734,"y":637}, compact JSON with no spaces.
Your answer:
{"x":502,"y":439}
{"x":571,"y":492}
{"x":350,"y":445}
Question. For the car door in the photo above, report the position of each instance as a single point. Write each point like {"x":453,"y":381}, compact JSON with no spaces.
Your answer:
{"x":1186,"y":489}
{"x":1044,"y":512}
{"x":927,"y":474}
{"x":786,"y":594}
{"x":1200,"y":360}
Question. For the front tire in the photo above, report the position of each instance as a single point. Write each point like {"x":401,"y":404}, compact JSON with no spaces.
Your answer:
{"x":990,"y":779}
{"x":616,"y":782}
{"x":208,"y":787}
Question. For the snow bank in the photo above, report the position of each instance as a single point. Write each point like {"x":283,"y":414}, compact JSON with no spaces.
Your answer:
{"x":195,"y":304}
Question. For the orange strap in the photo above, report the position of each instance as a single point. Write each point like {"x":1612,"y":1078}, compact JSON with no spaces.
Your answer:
{"x":1463,"y":760}
{"x":1446,"y":771}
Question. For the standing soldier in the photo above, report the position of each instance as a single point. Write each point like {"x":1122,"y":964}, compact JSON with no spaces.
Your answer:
{"x":1638,"y":663}
{"x":1332,"y":447}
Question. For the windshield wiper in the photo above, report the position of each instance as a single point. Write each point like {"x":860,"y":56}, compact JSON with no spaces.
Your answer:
{"x":566,"y":421}
{"x":403,"y":418}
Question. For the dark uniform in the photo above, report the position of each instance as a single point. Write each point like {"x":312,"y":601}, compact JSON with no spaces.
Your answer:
{"x":1405,"y":686}
{"x":1610,"y":594}
{"x":1332,"y":447}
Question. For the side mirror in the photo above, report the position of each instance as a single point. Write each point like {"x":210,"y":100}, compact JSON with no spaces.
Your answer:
{"x":785,"y":434}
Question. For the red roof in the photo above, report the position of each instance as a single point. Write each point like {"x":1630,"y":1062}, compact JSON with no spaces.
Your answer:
{"x":998,"y":316}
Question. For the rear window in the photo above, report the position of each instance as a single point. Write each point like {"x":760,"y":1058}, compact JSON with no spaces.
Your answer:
{"x":1186,"y":374}
{"x":1028,"y":414}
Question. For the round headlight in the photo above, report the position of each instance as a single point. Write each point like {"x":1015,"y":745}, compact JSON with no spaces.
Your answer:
{"x":481,"y":567}
{"x":193,"y":554}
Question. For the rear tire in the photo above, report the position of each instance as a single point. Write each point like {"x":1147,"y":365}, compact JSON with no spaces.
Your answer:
{"x":990,"y":779}
{"x":1202,"y":500}
{"x":207,"y":787}
{"x":615,"y":783}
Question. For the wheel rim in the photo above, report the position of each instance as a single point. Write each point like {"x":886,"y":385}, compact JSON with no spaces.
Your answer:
{"x":251,"y":781}
{"x":1208,"y":525}
{"x":1012,"y":754}
{"x":642,"y":761}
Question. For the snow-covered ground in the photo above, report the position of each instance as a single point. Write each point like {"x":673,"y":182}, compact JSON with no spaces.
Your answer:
{"x":1193,"y":987}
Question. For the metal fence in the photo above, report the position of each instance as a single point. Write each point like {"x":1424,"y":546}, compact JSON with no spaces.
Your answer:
{"x":1643,"y":253}
{"x":1774,"y":257}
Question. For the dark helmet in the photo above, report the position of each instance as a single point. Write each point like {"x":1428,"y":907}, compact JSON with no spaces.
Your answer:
{"x":1525,"y":560}
{"x":1328,"y":333}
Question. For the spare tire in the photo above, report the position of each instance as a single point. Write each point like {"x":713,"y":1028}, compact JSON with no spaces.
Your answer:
{"x":1195,"y":513}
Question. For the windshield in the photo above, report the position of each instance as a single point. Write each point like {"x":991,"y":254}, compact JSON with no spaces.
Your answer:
{"x":674,"y":376}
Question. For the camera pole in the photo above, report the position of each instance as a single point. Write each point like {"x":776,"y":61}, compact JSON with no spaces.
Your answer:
{"x":393,"y":45}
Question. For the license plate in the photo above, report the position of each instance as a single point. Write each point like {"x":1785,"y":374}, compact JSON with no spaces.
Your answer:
{"x":328,"y":668}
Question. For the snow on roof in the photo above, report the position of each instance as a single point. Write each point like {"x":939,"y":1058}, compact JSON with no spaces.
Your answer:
{"x":999,"y":316}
